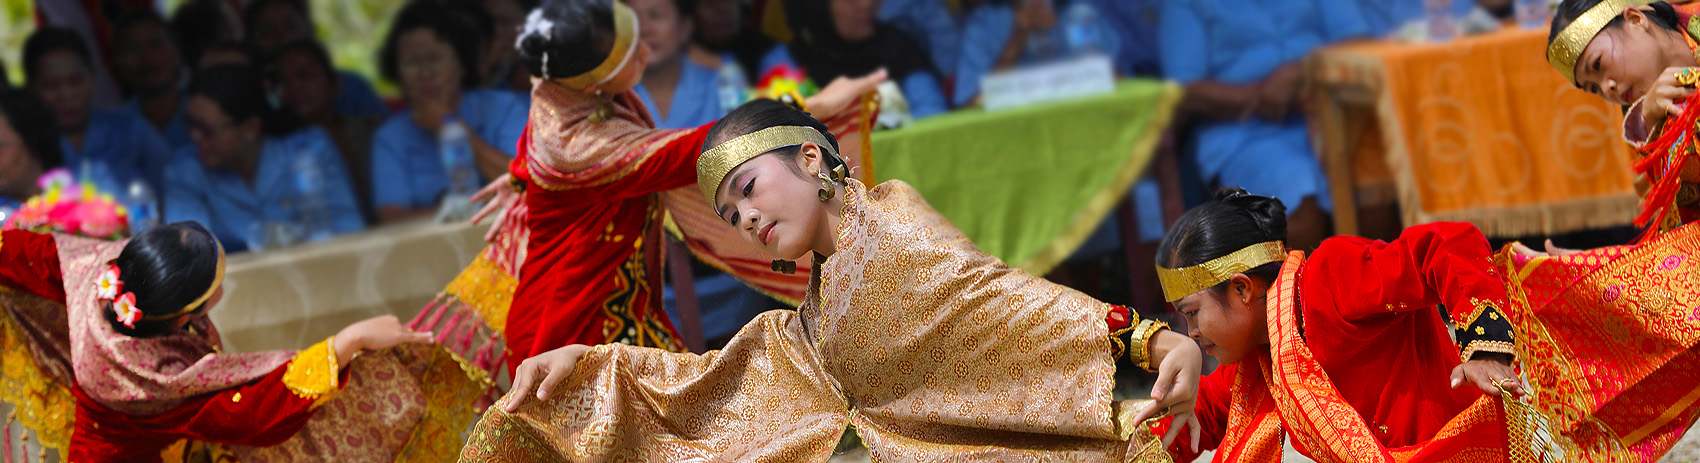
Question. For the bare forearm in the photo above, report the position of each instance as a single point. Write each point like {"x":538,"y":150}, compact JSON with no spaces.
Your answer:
{"x":1215,"y":100}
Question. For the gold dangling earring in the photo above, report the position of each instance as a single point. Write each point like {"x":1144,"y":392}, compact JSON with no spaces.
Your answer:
{"x":785,"y":266}
{"x":826,"y":189}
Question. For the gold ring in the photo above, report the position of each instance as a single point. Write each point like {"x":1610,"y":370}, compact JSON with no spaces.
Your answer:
{"x":1501,"y":382}
{"x":1687,"y":77}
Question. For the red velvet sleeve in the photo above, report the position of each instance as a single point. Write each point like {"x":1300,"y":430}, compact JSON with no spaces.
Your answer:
{"x":672,"y":166}
{"x":265,"y":412}
{"x":1212,"y":411}
{"x":1440,"y":263}
{"x":30,"y":262}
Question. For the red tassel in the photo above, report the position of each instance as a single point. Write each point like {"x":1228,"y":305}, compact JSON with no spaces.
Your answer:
{"x":423,"y":314}
{"x":1674,"y":144}
{"x":443,"y":334}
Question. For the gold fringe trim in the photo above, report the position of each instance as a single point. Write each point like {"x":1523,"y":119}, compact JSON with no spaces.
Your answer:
{"x":487,"y":289}
{"x":40,"y":403}
{"x":1487,"y":346}
{"x":450,"y":386}
{"x":313,"y":373}
{"x":1100,"y":205}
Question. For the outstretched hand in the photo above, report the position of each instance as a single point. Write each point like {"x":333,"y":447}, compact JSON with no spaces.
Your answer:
{"x":1176,"y":390}
{"x":842,"y":94}
{"x":502,"y":197}
{"x":1492,"y":376}
{"x":538,"y":376}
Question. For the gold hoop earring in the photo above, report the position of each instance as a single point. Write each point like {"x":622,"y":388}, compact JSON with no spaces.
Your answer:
{"x":826,"y":189}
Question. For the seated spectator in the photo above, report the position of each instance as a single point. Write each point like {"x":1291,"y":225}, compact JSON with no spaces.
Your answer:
{"x":251,"y":165}
{"x":503,"y":69}
{"x":678,"y":92}
{"x":839,"y":38}
{"x":435,"y":60}
{"x":227,"y":54}
{"x":305,"y":83}
{"x":1000,"y":34}
{"x":110,"y":147}
{"x":1134,"y":24}
{"x":723,"y":35}
{"x":28,"y":146}
{"x":1243,"y":80}
{"x":151,"y":71}
{"x":272,"y":23}
{"x":932,"y":24}
{"x":199,"y":24}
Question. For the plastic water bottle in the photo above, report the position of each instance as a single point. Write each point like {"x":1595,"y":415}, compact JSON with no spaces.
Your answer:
{"x":312,"y":215}
{"x":1080,"y":29}
{"x":455,"y":146}
{"x":732,"y":85}
{"x":1441,"y":25}
{"x":1533,"y":14}
{"x":455,"y":149}
{"x":143,"y":206}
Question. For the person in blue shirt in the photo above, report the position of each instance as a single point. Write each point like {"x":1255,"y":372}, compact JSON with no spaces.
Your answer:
{"x":29,"y":146}
{"x":148,"y":65}
{"x":435,"y":60}
{"x":678,"y":92}
{"x":841,"y":38}
{"x":272,"y":23}
{"x":305,"y":84}
{"x":250,"y":163}
{"x":1241,"y":63}
{"x":930,"y":22}
{"x":1000,"y":34}
{"x":59,"y":67}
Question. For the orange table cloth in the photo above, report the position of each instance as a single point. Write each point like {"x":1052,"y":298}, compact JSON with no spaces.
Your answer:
{"x":1478,"y":130}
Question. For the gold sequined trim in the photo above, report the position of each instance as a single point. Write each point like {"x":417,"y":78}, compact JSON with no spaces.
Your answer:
{"x":41,"y":404}
{"x":313,"y":373}
{"x":1487,"y":346}
{"x":1186,"y":281}
{"x":487,"y":289}
{"x":236,"y":398}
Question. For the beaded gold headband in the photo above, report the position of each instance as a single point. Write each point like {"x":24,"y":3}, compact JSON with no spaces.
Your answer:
{"x":1567,"y":46}
{"x":1185,"y":281}
{"x":716,"y":163}
{"x":625,"y":33}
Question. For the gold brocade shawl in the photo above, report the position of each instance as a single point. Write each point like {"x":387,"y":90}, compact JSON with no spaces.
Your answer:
{"x":931,"y":348}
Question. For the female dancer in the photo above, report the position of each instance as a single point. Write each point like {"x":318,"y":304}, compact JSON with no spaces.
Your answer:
{"x":1641,"y":54}
{"x":1343,"y":351}
{"x":576,"y":257}
{"x":931,"y":348}
{"x":115,"y":356}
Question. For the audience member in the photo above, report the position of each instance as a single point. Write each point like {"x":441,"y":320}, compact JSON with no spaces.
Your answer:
{"x":435,"y":60}
{"x":28,"y":146}
{"x":305,"y":83}
{"x":151,"y":71}
{"x":1243,"y":82}
{"x":272,"y":23}
{"x":110,"y":147}
{"x":251,"y":165}
{"x":932,"y":23}
{"x":678,"y":92}
{"x":723,"y":34}
{"x":504,"y":69}
{"x":1000,"y":34}
{"x":840,"y":38}
{"x":199,"y":24}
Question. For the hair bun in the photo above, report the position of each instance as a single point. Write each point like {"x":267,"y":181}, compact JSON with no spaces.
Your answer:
{"x":1269,"y":213}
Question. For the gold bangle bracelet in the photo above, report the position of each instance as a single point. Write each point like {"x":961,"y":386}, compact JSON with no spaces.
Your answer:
{"x":1140,"y":352}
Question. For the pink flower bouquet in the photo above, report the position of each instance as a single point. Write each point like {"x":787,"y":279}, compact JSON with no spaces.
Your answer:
{"x":66,"y":207}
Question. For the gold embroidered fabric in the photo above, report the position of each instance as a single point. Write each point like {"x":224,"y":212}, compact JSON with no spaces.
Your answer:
{"x":313,"y":373}
{"x":940,"y":353}
{"x":487,"y":289}
{"x":41,"y":399}
{"x":409,"y":403}
{"x":1186,"y":281}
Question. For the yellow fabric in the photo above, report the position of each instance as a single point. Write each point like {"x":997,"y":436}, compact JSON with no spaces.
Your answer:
{"x":312,"y":374}
{"x":1479,"y":130}
{"x":487,"y":289}
{"x":39,"y":402}
{"x":940,"y":353}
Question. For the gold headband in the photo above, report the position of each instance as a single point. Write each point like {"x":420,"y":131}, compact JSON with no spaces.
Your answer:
{"x":1185,"y":281}
{"x":218,"y":281}
{"x":625,"y":31}
{"x":716,"y":163}
{"x":1567,"y":46}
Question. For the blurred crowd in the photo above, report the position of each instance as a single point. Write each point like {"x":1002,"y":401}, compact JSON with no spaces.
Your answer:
{"x":232,"y":113}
